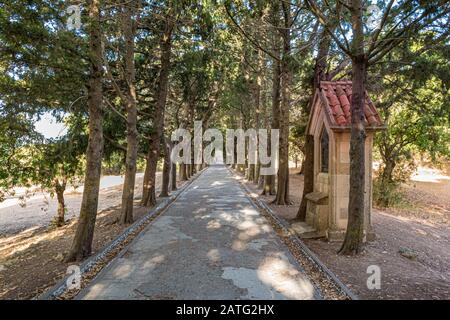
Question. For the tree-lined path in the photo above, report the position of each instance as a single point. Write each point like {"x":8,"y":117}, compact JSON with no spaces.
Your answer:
{"x":211,"y":243}
{"x":354,"y":93}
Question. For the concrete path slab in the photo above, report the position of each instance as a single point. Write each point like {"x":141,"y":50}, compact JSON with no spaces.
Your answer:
{"x":211,"y":243}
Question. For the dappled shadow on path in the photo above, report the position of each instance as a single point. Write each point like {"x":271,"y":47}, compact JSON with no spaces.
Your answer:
{"x":210,"y":244}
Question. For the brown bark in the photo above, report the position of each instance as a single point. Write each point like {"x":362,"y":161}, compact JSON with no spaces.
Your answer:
{"x":388,"y":171}
{"x":166,"y":172}
{"x":282,"y":196}
{"x":251,"y":172}
{"x":308,"y":170}
{"x":59,"y":190}
{"x":269,"y":181}
{"x":190,"y":167}
{"x":387,"y":181}
{"x":187,"y":168}
{"x":261,"y":178}
{"x":82,"y":242}
{"x":308,"y":162}
{"x":302,"y":165}
{"x":173,"y":177}
{"x":269,"y":185}
{"x":257,"y":173}
{"x":131,"y":109}
{"x":265,"y":116}
{"x":354,"y":236}
{"x":257,"y":115}
{"x":149,"y":188}
{"x":183,"y":175}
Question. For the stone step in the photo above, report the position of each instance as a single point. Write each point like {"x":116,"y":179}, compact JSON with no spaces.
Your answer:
{"x":305,"y":231}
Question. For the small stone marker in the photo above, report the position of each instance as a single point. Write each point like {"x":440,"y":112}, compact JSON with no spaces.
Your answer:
{"x":408,"y":253}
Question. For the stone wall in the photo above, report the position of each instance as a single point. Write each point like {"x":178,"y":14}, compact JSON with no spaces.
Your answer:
{"x":340,"y":180}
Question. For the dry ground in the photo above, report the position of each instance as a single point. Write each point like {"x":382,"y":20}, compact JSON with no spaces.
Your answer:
{"x":31,"y":260}
{"x":423,"y":227}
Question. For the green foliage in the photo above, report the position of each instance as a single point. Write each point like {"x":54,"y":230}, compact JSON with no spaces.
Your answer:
{"x":215,"y":70}
{"x":58,"y":162}
{"x":15,"y":134}
{"x":42,"y":69}
{"x":413,"y":91}
{"x":388,"y":194}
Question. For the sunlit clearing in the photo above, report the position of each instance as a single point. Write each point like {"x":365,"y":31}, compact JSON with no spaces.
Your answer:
{"x":428,"y":175}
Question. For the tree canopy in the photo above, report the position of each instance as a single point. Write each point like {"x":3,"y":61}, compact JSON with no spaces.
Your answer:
{"x":137,"y":70}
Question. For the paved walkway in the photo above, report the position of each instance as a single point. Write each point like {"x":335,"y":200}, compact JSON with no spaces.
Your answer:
{"x":210,"y":244}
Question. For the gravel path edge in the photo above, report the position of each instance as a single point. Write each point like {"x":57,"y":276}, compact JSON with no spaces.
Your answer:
{"x":313,"y":258}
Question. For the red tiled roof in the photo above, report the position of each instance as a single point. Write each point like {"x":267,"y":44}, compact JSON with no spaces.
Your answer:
{"x":338,"y":95}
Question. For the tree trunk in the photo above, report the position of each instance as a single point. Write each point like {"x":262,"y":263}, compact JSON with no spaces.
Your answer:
{"x":82,"y":242}
{"x":59,"y":190}
{"x":146,"y":181}
{"x":386,"y":181}
{"x":257,"y":116}
{"x":234,"y":165}
{"x":265,"y":116}
{"x":354,"y":236}
{"x":148,"y":194}
{"x":183,"y":175}
{"x":188,"y":171}
{"x":166,"y":172}
{"x":269,"y":186}
{"x":308,"y":162}
{"x":131,"y":109}
{"x":173,"y":177}
{"x":191,"y":169}
{"x":149,"y":188}
{"x":282,"y":196}
{"x":308,"y":170}
{"x":302,"y":165}
{"x":260,"y":178}
{"x":257,"y":173}
{"x":269,"y":181}
{"x":251,"y":172}
{"x":388,"y":171}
